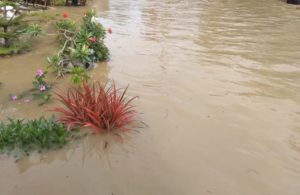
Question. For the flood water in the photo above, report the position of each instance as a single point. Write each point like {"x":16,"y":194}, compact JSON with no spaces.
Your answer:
{"x":219,"y":88}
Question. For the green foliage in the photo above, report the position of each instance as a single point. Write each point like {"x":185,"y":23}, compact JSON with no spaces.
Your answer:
{"x":33,"y":30}
{"x":15,"y":48}
{"x":32,"y":135}
{"x":81,"y":46}
{"x":59,"y":2}
{"x":57,"y":63}
{"x":79,"y":75}
{"x":82,"y":53}
{"x":42,"y":97}
{"x":14,"y":30}
{"x":66,"y":25}
{"x":90,"y":24}
{"x":93,"y":30}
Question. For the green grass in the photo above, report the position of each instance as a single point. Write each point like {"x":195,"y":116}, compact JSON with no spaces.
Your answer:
{"x":8,"y":51}
{"x":16,"y":48}
{"x":59,"y":2}
{"x":38,"y":134}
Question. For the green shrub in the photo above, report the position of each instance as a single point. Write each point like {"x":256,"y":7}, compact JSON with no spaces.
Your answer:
{"x":79,"y":47}
{"x":79,"y":75}
{"x":15,"y":32}
{"x":31,"y":135}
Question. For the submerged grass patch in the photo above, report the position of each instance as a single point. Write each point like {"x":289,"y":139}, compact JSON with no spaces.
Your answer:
{"x":37,"y":134}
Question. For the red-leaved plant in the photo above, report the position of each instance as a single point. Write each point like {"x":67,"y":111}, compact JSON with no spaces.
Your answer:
{"x":101,"y":107}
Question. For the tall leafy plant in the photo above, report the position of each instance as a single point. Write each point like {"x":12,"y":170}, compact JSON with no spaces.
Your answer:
{"x":104,"y":108}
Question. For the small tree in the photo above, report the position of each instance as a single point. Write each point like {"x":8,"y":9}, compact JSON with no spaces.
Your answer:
{"x":12,"y":28}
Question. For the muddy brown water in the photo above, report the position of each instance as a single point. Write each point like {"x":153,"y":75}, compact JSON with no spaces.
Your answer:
{"x":218,"y":85}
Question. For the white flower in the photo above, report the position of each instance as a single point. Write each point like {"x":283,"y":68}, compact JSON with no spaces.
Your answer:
{"x":7,"y":8}
{"x":10,"y":12}
{"x":94,"y":19}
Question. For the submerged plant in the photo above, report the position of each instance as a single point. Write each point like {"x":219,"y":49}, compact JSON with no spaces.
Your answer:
{"x":34,"y":134}
{"x":39,"y":80}
{"x":101,"y":107}
{"x":82,"y":53}
{"x":79,"y":47}
{"x":39,"y":91}
{"x":40,"y":87}
{"x":79,"y":75}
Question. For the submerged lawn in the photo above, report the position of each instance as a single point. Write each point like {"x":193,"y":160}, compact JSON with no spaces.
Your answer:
{"x":31,"y":135}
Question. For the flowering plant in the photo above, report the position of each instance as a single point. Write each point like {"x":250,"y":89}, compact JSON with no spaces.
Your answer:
{"x":40,"y":87}
{"x":39,"y":83}
{"x":40,"y":90}
{"x":79,"y":47}
{"x":65,"y":15}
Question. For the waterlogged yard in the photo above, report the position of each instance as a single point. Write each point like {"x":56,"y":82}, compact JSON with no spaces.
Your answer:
{"x":150,"y":97}
{"x":100,"y":106}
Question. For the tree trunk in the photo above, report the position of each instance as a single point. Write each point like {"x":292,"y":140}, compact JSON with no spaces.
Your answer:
{"x":6,"y":40}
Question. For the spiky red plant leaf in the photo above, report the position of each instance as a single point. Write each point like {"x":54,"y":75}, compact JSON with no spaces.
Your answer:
{"x":101,"y":107}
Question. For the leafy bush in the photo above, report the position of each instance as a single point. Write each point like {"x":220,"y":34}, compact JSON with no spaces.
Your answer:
{"x":82,"y":53}
{"x":79,"y":47}
{"x":101,"y":107}
{"x":34,"y":134}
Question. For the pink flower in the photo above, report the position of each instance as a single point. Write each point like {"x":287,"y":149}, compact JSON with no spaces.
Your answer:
{"x":42,"y":88}
{"x":92,"y":39}
{"x":39,"y":72}
{"x":109,"y":30}
{"x":14,"y":97}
